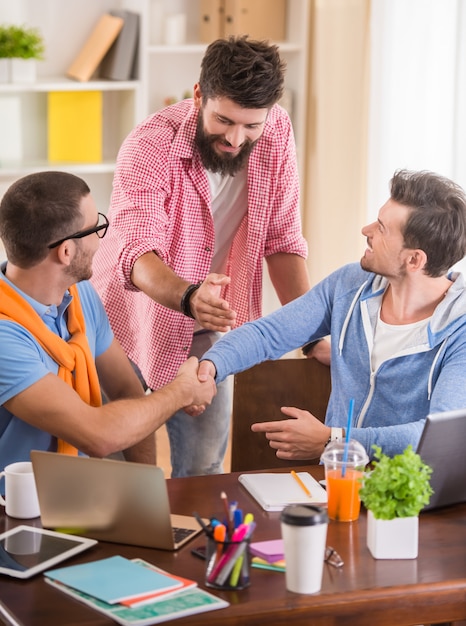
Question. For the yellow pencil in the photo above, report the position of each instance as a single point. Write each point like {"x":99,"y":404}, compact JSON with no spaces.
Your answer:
{"x":301,"y":484}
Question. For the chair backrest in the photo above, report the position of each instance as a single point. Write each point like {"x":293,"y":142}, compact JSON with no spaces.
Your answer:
{"x":258,"y":394}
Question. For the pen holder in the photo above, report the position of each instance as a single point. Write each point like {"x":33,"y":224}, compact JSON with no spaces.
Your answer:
{"x":227,"y":564}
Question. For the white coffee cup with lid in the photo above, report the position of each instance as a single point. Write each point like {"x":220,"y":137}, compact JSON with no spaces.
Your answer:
{"x":304,"y":532}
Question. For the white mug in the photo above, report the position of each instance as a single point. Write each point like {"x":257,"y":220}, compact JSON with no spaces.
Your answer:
{"x":20,"y":491}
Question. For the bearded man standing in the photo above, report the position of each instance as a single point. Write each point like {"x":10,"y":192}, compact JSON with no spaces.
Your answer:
{"x":204,"y":190}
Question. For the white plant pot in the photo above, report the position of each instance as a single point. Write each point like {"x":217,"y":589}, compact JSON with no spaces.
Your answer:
{"x":393,"y":539}
{"x":23,"y":70}
{"x":4,"y":70}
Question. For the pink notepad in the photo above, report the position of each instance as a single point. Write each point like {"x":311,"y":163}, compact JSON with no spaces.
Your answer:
{"x":271,"y":551}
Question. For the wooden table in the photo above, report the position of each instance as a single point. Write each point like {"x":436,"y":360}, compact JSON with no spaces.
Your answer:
{"x":365,"y":592}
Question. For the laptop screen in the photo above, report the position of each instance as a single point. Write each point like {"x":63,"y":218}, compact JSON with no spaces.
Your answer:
{"x":442,"y":446}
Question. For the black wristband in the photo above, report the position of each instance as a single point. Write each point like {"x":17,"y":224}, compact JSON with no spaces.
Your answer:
{"x":185,"y":305}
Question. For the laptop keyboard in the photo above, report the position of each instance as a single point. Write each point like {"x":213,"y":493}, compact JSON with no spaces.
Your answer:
{"x":181,"y":533}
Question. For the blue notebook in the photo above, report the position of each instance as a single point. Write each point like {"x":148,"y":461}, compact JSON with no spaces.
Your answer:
{"x":113,"y":580}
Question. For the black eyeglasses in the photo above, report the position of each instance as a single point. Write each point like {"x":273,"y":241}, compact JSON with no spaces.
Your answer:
{"x":100,"y":230}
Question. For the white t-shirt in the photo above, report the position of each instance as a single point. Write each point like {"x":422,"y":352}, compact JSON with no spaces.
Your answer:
{"x":229,"y":202}
{"x":390,"y":339}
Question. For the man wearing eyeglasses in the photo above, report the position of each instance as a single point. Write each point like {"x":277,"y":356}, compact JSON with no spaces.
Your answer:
{"x":58,"y":350}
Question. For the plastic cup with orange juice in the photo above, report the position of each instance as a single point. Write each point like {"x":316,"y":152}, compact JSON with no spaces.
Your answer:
{"x":343,"y":473}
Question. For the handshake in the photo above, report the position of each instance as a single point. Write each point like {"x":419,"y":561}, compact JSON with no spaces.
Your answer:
{"x":197,"y":379}
{"x":299,"y":435}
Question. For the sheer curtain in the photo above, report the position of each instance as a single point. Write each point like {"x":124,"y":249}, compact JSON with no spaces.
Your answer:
{"x":414,"y":73}
{"x":418,"y":92}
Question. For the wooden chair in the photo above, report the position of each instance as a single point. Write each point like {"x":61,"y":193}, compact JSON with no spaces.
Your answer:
{"x":258,"y":394}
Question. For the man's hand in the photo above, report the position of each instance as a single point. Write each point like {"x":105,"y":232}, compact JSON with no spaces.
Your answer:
{"x":301,"y":438}
{"x":321,"y":351}
{"x":206,"y":369}
{"x":205,"y":373}
{"x":210,"y":310}
{"x":200,"y":392}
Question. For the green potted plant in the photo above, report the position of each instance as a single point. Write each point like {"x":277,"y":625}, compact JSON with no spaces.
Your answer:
{"x":4,"y":54}
{"x":394,"y":491}
{"x":23,"y":46}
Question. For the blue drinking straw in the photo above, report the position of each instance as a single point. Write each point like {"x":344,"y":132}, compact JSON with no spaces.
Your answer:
{"x":347,"y":438}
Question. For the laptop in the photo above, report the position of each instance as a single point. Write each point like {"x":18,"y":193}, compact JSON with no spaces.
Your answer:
{"x":442,"y":446}
{"x":110,"y":500}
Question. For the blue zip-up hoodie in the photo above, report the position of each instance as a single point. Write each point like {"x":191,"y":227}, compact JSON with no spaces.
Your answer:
{"x":390,"y":404}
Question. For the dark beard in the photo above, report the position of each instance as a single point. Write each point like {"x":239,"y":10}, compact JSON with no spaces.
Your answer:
{"x":224,"y":164}
{"x":81,"y":267}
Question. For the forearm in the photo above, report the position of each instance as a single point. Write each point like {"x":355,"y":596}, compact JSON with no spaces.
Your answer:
{"x":143,"y":452}
{"x":264,"y":339}
{"x":289,"y":275}
{"x":201,"y":301}
{"x":130,"y":424}
{"x":54,"y":407}
{"x":152,"y":276}
{"x":392,"y":439}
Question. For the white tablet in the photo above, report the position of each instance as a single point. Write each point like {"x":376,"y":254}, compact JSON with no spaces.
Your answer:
{"x":26,"y":550}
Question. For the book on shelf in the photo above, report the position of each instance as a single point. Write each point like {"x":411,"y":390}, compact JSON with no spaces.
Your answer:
{"x":119,"y":62}
{"x":186,"y":600}
{"x":96,"y":45}
{"x":74,"y":126}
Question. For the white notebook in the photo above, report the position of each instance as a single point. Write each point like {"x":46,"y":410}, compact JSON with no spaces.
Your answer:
{"x":273,"y":491}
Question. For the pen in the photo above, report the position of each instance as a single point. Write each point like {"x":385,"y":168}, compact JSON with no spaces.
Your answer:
{"x":232,"y":508}
{"x":248,"y":518}
{"x":224,"y":498}
{"x":301,"y":484}
{"x":220,"y":532}
{"x":200,"y":521}
{"x":235,"y":550}
{"x":237,"y":518}
{"x":241,"y":565}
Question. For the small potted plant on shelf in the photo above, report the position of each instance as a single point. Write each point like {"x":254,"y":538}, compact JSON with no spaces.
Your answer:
{"x":394,"y":491}
{"x":22,"y":47}
{"x":5,"y":46}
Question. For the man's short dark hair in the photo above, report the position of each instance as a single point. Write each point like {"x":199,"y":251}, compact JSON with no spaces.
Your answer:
{"x":248,"y":72}
{"x":38,"y":209}
{"x":437,"y":221}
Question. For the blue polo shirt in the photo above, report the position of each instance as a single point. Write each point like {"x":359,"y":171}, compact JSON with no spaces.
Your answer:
{"x":23,"y":362}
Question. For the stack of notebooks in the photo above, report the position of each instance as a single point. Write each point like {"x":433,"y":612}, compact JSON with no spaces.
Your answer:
{"x":268,"y":555}
{"x":133,"y":592}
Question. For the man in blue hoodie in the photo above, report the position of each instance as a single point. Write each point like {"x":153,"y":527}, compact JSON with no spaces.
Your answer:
{"x":397,"y":322}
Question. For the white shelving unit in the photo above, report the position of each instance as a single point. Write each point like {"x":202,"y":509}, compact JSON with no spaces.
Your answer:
{"x":65,"y":27}
{"x":163,"y":72}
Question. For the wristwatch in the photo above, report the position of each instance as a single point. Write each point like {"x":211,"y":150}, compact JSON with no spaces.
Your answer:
{"x":336,"y":434}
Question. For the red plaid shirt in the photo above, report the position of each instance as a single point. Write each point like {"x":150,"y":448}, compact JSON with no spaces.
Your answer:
{"x":161,"y":202}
